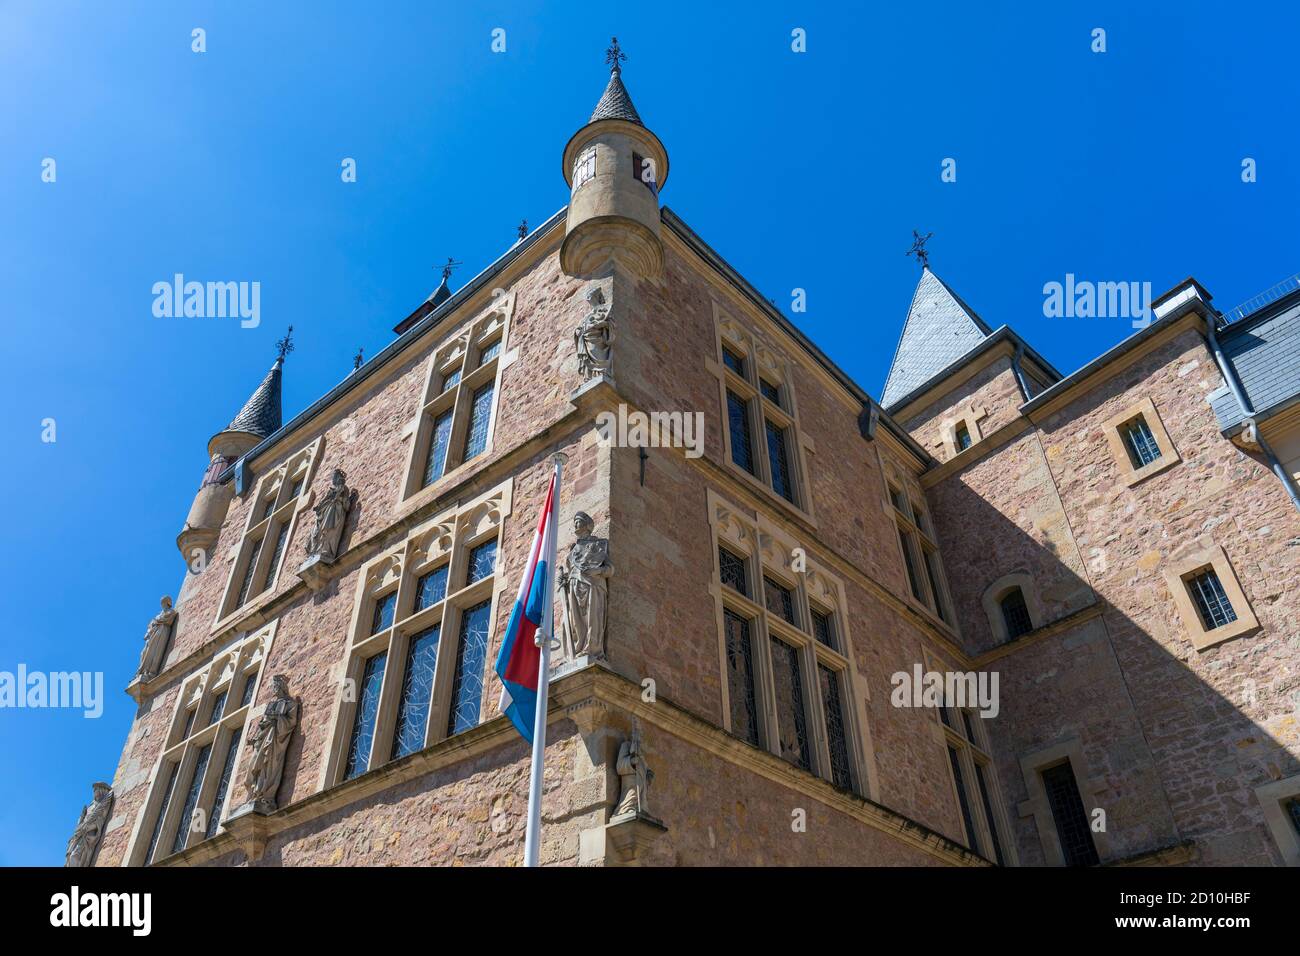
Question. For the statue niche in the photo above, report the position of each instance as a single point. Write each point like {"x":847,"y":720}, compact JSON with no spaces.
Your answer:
{"x":584,"y":581}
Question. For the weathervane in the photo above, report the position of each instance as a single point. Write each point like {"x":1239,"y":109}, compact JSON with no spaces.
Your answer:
{"x":285,"y":345}
{"x":613,"y":55}
{"x":451,"y":264}
{"x":918,"y":248}
{"x":358,"y":358}
{"x":523,"y":228}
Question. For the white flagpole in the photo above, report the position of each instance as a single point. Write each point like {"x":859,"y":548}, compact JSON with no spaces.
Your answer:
{"x":532,"y":837}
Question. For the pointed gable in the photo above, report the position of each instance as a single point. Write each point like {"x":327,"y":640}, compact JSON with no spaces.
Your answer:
{"x":940,"y":329}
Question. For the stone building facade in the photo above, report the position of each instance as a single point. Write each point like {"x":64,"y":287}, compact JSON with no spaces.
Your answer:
{"x":771,"y":587}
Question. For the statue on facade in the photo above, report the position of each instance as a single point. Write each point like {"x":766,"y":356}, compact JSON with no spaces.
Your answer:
{"x":594,"y":338}
{"x":90,"y":827}
{"x":270,"y":742}
{"x":156,"y":637}
{"x":634,"y":777}
{"x":331,"y":515}
{"x":584,"y":579}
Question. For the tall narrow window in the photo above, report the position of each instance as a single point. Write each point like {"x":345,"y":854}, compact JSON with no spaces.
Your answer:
{"x":731,"y":568}
{"x":363,"y":724}
{"x":191,"y":799}
{"x":471,"y":654}
{"x":1140,"y":443}
{"x":823,"y":629}
{"x":246,"y":585}
{"x":733,"y":361}
{"x":779,"y":600}
{"x":989,"y":814}
{"x":431,"y":588}
{"x":779,"y":461}
{"x":223,"y":784}
{"x":1015,"y":614}
{"x":382,"y":619}
{"x":1292,"y":809}
{"x":909,"y":563}
{"x":791,"y":718}
{"x":742,"y":451}
{"x":218,"y":708}
{"x":482,"y":561}
{"x":740,"y":678}
{"x":417,"y":693}
{"x":930,"y":559}
{"x":451,"y":379}
{"x":436,"y":462}
{"x":963,"y":798}
{"x":281,"y":536}
{"x":162,"y":812}
{"x":1068,"y":814}
{"x":480,"y":413}
{"x":962,"y":436}
{"x":920,"y":551}
{"x":1211,"y":601}
{"x":836,"y":736}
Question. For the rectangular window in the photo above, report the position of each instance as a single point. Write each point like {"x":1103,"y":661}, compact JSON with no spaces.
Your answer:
{"x":584,"y":167}
{"x":771,"y":392}
{"x":740,"y":677}
{"x":1140,"y":443}
{"x":836,"y":736}
{"x":218,"y":707}
{"x":777,"y":458}
{"x":1015,"y":615}
{"x":191,"y":799}
{"x":162,"y":813}
{"x":1211,"y":602}
{"x":382,"y":619}
{"x":823,"y":629}
{"x":742,"y":452}
{"x":431,"y":588}
{"x":778,"y":599}
{"x":962,"y":798}
{"x":247,"y":584}
{"x":480,"y":413}
{"x":281,"y":537}
{"x":1068,"y":813}
{"x":910,"y":565}
{"x":482,"y":562}
{"x":227,"y":770}
{"x":417,"y":693}
{"x":733,"y":361}
{"x":791,"y":719}
{"x":489,"y":353}
{"x":1292,"y":809}
{"x":363,"y":725}
{"x":731,"y":569}
{"x":436,"y":462}
{"x":471,"y":654}
{"x":189,"y":723}
{"x":930,"y":559}
{"x":249,"y":686}
{"x":962,"y":437}
{"x":988,"y":813}
{"x":451,"y":379}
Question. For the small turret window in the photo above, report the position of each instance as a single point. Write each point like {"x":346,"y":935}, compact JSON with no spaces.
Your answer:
{"x":585,"y":167}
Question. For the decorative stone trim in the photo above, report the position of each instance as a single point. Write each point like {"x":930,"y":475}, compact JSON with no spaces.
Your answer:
{"x":1176,"y":577}
{"x":1271,"y":797}
{"x":1146,"y":410}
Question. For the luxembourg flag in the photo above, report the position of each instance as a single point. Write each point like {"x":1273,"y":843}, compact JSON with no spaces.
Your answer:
{"x":519,"y":660}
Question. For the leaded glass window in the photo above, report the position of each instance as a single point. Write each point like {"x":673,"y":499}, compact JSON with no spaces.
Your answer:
{"x":431,"y":588}
{"x":731,"y":568}
{"x":910,"y":565}
{"x":1211,"y":600}
{"x":471,"y":656}
{"x":734,"y":361}
{"x":930,"y":559}
{"x":436,"y":462}
{"x":250,"y":685}
{"x":451,"y":379}
{"x":162,"y":812}
{"x":1068,"y":813}
{"x":584,"y":167}
{"x":191,"y":799}
{"x":281,"y":536}
{"x":480,"y":413}
{"x":417,"y":693}
{"x":963,"y":799}
{"x":218,"y":707}
{"x":1015,"y":614}
{"x":823,"y":628}
{"x":363,"y":724}
{"x":778,"y":599}
{"x":988,"y":813}
{"x":189,"y":722}
{"x":779,"y":461}
{"x":742,"y":451}
{"x":836,"y":735}
{"x":382,"y":619}
{"x":740,"y":677}
{"x":268,"y":507}
{"x":296,"y":490}
{"x":1139,"y":442}
{"x":482,"y":561}
{"x":227,"y":770}
{"x":791,"y":718}
{"x":247,"y":584}
{"x":770,"y":391}
{"x":489,"y":353}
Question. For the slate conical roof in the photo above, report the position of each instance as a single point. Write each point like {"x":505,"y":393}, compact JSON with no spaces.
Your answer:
{"x":260,"y":415}
{"x":940,"y":329}
{"x":615,"y":103}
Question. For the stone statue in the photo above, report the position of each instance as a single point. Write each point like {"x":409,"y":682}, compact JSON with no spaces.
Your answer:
{"x":331,"y":514}
{"x":594,"y":338}
{"x":634,"y":777}
{"x":156,"y":637}
{"x":584,"y":579}
{"x":90,"y":826}
{"x":270,"y":743}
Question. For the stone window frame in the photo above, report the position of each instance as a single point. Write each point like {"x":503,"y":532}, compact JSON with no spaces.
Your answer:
{"x":768,"y":551}
{"x":444,"y":540}
{"x":1146,"y":410}
{"x":915,"y":531}
{"x":1032,"y":765}
{"x":970,"y":417}
{"x":970,"y":752}
{"x":763,"y":361}
{"x":229,"y":671}
{"x":276,"y":489}
{"x":991,"y":601}
{"x":459,"y":351}
{"x":1271,"y":797}
{"x":1176,"y":576}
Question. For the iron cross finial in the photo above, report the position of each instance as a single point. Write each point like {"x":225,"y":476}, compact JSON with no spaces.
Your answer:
{"x":285,"y":345}
{"x":523,"y":228}
{"x":613,"y":55}
{"x":918,"y":248}
{"x":358,"y":358}
{"x":451,"y":264}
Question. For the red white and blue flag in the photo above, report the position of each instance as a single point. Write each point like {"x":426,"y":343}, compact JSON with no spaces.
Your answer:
{"x":519,"y":659}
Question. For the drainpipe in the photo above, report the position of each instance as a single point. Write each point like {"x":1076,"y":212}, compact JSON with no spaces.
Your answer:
{"x":1230,"y":376}
{"x":1015,"y":367}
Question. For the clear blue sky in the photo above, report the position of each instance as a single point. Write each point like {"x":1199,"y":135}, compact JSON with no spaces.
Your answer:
{"x":802,"y":170}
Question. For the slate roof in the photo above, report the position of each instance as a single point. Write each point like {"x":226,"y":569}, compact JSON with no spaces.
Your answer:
{"x":260,"y":415}
{"x":1265,"y":351}
{"x":615,"y":103}
{"x":940,"y":329}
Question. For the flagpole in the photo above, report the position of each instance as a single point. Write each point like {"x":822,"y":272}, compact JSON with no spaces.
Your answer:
{"x":532,"y":837}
